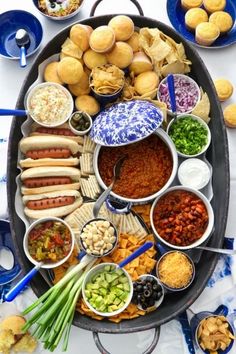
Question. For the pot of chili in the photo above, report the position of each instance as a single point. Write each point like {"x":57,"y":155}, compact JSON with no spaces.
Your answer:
{"x":182,"y":218}
{"x":148,"y":170}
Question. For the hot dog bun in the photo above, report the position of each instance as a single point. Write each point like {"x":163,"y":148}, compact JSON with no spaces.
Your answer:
{"x":45,"y":175}
{"x":48,"y":151}
{"x":56,"y":211}
{"x":62,"y":130}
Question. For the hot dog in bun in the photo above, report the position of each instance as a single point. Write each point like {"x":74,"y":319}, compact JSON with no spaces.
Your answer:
{"x":38,"y":180}
{"x":56,"y":204}
{"x":48,"y":151}
{"x":62,"y":130}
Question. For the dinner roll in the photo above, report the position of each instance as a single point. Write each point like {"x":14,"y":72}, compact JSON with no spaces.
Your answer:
{"x":93,"y":59}
{"x":133,"y":41}
{"x":70,"y":70}
{"x":87,"y":104}
{"x":223,"y":20}
{"x":50,"y":73}
{"x":230,"y":115}
{"x":80,"y":35}
{"x":224,"y":89}
{"x":146,"y":83}
{"x":123,"y":27}
{"x":102,"y":39}
{"x":121,"y":55}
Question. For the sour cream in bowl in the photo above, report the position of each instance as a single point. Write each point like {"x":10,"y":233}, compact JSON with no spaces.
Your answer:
{"x":49,"y":104}
{"x":187,"y":93}
{"x":194,"y":173}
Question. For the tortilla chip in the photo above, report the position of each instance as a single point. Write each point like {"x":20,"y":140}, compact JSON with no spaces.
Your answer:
{"x":69,"y":48}
{"x":176,"y":67}
{"x":107,"y":79}
{"x":202,"y":109}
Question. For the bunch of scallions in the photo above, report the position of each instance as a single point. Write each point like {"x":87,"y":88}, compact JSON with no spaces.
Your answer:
{"x":55,"y":309}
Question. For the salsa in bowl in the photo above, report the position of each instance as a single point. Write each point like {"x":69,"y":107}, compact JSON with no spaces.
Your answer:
{"x":149,"y":168}
{"x":49,"y":241}
{"x":182,"y":218}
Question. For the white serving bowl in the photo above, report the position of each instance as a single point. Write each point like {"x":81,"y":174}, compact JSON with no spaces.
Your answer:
{"x":44,"y":86}
{"x":201,"y":121}
{"x":157,"y":302}
{"x":80,"y":132}
{"x":25,"y":242}
{"x":97,"y":269}
{"x":162,"y":135}
{"x":187,"y":79}
{"x":59,"y":18}
{"x":209,"y":209}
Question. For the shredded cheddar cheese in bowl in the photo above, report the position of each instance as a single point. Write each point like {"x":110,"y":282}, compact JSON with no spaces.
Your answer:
{"x":49,"y":104}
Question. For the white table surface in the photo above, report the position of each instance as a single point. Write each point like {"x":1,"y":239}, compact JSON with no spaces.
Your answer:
{"x":220,"y":63}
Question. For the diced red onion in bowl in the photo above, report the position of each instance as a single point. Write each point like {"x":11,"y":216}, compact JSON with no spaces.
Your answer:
{"x":187,"y":93}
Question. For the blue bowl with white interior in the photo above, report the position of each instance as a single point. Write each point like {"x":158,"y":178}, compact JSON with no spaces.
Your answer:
{"x":10,"y":23}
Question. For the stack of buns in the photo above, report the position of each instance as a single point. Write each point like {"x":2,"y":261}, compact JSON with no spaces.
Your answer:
{"x":116,"y":43}
{"x":209,"y":21}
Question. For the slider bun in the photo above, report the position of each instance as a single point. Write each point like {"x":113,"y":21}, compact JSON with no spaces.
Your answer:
{"x":93,"y":59}
{"x":133,"y":41}
{"x":56,"y":212}
{"x":102,"y":39}
{"x":45,"y":142}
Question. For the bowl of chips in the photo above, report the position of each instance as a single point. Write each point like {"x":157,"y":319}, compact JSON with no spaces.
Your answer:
{"x":213,"y":331}
{"x":107,"y":82}
{"x":58,"y":9}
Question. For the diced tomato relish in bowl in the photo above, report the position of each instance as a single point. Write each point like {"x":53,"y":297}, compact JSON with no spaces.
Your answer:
{"x":148,"y":169}
{"x":50,"y":241}
{"x":182,"y":217}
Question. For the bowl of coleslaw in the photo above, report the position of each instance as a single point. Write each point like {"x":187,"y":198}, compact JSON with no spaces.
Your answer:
{"x":49,"y":104}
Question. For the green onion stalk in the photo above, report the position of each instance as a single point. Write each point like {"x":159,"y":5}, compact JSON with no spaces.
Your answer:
{"x":55,"y":309}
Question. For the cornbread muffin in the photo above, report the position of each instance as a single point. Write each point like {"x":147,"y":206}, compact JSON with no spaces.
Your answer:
{"x":189,"y":4}
{"x":121,"y":55}
{"x":102,"y":39}
{"x":123,"y":27}
{"x":14,"y":323}
{"x":195,"y":16}
{"x":80,"y":34}
{"x":82,"y":87}
{"x":133,"y":41}
{"x":206,"y":33}
{"x":224,"y":89}
{"x":50,"y":73}
{"x":146,"y":82}
{"x":223,"y":20}
{"x":70,"y":70}
{"x":214,"y":5}
{"x":140,"y":63}
{"x":87,"y":104}
{"x":230,"y":115}
{"x":93,"y":59}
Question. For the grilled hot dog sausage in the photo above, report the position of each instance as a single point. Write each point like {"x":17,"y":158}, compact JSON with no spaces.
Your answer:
{"x":56,"y":153}
{"x":55,"y":131}
{"x":48,"y":203}
{"x":46,"y":181}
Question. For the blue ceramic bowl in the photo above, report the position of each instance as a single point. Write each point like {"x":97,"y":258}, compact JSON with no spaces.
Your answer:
{"x":7,"y":276}
{"x":59,"y":18}
{"x":10,"y":22}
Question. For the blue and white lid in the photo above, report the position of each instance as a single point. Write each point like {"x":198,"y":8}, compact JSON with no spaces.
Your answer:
{"x":125,"y":123}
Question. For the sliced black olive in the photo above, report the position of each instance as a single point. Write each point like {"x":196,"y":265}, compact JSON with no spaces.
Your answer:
{"x":139,"y":288}
{"x":134,"y":285}
{"x":159,"y":294}
{"x":155,"y":296}
{"x":147,"y":293}
{"x":155,"y":286}
{"x":144,"y":307}
{"x":150,"y":279}
{"x":52,"y":5}
{"x":142,"y":299}
{"x":151,"y":302}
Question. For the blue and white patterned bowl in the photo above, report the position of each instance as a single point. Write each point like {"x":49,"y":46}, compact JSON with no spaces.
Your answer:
{"x":125,"y":123}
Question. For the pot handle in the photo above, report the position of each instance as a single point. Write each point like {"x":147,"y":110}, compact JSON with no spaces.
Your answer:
{"x":135,"y":2}
{"x":149,"y":350}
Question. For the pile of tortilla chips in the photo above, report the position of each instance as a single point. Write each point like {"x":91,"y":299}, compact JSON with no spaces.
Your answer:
{"x":166,"y":55}
{"x":107,"y":79}
{"x":69,"y":48}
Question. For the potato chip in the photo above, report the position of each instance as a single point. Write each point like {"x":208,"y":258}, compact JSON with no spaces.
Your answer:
{"x":69,"y":48}
{"x":107,"y":79}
